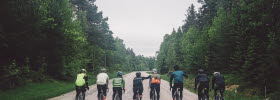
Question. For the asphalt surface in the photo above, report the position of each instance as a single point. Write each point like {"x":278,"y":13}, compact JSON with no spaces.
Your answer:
{"x":165,"y":93}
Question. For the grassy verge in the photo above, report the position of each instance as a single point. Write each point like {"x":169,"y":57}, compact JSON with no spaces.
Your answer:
{"x":229,"y":95}
{"x":43,"y":90}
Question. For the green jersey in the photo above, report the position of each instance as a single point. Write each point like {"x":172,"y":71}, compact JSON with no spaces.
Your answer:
{"x":118,"y":82}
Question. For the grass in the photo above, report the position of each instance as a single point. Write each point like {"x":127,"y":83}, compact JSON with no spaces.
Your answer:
{"x":43,"y":90}
{"x":229,"y":95}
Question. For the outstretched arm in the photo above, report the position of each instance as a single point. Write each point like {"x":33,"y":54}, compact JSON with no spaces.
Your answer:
{"x":170,"y":80}
{"x":185,"y":75}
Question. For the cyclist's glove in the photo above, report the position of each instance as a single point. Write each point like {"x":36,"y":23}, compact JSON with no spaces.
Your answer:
{"x":87,"y":88}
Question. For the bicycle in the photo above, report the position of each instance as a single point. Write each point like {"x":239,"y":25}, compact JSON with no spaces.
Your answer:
{"x":138,"y":96}
{"x":218,"y":96}
{"x":204,"y":96}
{"x":154,"y":95}
{"x":81,"y":94}
{"x":117,"y":96}
{"x":101,"y":96}
{"x":177,"y":94}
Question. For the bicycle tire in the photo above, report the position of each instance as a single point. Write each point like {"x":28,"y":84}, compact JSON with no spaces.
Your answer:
{"x":154,"y":95}
{"x":116,"y":97}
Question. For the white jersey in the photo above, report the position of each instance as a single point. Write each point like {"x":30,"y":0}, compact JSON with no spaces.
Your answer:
{"x":102,"y":79}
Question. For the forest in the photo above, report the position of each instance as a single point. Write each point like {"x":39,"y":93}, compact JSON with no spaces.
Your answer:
{"x":54,"y":39}
{"x":239,"y":38}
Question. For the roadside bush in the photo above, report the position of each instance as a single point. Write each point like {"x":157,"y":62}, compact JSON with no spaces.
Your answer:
{"x":14,"y":75}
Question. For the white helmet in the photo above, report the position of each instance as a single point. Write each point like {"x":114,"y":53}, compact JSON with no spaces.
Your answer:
{"x":216,"y":73}
{"x":154,"y":70}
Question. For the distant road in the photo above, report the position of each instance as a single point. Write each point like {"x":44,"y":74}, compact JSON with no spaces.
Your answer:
{"x":165,"y":93}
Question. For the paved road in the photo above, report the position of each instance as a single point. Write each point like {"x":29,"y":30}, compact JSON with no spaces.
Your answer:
{"x":165,"y":93}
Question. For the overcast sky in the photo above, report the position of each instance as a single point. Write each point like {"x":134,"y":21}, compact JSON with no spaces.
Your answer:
{"x":143,"y":23}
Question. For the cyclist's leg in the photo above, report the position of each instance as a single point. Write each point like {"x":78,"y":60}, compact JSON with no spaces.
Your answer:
{"x":83,"y":92}
{"x":99,"y":88}
{"x":200,"y":88}
{"x":140,"y":92}
{"x":222,"y":90}
{"x":207,"y":90}
{"x":151,"y":91}
{"x":134,"y":93}
{"x":158,"y":91}
{"x":174,"y":88}
{"x":215,"y":91}
{"x":181,"y":91}
{"x":104,"y":89}
{"x":77,"y":91}
{"x":114,"y":92}
{"x":120,"y":92}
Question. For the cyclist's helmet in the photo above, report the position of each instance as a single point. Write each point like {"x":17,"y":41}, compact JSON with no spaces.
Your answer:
{"x":83,"y":71}
{"x":119,"y":74}
{"x":176,"y":67}
{"x":138,"y":74}
{"x":154,"y":71}
{"x":103,"y":70}
{"x":200,"y":71}
{"x":216,"y":73}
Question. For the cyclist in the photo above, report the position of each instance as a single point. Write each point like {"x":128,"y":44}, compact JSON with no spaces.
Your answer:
{"x":118,"y":85}
{"x":102,"y":83}
{"x":81,"y":83}
{"x":155,"y":83}
{"x":203,"y":81}
{"x":219,"y":80}
{"x":177,"y":75}
{"x":138,"y":85}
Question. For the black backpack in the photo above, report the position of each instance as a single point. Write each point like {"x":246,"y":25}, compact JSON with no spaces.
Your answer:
{"x":203,"y":78}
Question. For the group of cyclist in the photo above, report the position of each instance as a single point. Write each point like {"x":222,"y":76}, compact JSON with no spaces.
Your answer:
{"x":176,"y":82}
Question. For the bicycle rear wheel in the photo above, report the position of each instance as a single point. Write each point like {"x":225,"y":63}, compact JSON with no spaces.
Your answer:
{"x":116,"y":97}
{"x":177,"y":96}
{"x":101,"y":97}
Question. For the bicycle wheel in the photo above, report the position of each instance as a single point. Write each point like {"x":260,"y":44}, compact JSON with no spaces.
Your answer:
{"x":137,"y":97}
{"x":153,"y":95}
{"x":100,"y":97}
{"x":177,"y":96}
{"x":116,"y":97}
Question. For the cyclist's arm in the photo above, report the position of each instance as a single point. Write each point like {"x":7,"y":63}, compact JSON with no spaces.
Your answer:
{"x":185,"y":75}
{"x":123,"y":83}
{"x":143,"y":78}
{"x":107,"y":81}
{"x":171,"y":79}
{"x":86,"y":79}
{"x":150,"y":80}
{"x":213,"y":82}
{"x":196,"y":81}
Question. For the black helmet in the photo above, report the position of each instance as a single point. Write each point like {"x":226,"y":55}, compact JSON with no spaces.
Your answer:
{"x":176,"y":67}
{"x":138,"y":74}
{"x":119,"y":74}
{"x":200,"y":71}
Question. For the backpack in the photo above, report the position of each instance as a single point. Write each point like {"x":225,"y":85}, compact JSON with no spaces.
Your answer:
{"x":155,"y":80}
{"x":203,"y":78}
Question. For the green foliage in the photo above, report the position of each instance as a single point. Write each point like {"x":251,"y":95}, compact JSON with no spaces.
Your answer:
{"x":238,"y":38}
{"x":46,"y":39}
